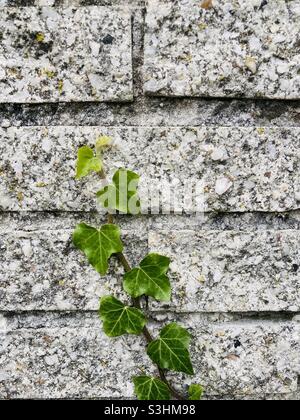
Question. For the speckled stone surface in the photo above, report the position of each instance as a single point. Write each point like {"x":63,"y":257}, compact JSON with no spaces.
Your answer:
{"x":73,"y":359}
{"x":42,"y":270}
{"x":49,"y":351}
{"x":238,"y":169}
{"x":211,"y":271}
{"x":235,"y":48}
{"x":231,"y":271}
{"x":65,"y":54}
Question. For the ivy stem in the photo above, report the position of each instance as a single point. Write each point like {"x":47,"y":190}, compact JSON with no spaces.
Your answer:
{"x":137,"y":304}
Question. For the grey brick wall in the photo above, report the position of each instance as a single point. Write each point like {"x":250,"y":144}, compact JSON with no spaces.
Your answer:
{"x":185,"y":93}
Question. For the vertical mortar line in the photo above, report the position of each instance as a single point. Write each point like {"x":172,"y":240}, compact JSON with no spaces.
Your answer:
{"x":137,"y":33}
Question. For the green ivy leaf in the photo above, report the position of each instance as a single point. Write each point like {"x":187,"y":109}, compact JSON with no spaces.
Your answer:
{"x":170,"y":351}
{"x":122,"y":194}
{"x":151,"y":389}
{"x":87,"y":162}
{"x":119,"y":319}
{"x":195,"y":392}
{"x":150,"y":278}
{"x":98,"y":245}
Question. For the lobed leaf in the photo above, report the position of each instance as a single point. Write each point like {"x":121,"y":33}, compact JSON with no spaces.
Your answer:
{"x":170,"y":351}
{"x":151,"y":389}
{"x":119,"y":319}
{"x":87,"y":162}
{"x":98,"y":245}
{"x":149,"y":278}
{"x":122,"y":194}
{"x":195,"y":392}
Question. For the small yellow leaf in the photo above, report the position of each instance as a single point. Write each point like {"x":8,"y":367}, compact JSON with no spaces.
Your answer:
{"x":49,"y":73}
{"x":41,"y":184}
{"x":261,"y":130}
{"x":202,"y":26}
{"x":60,"y":86}
{"x":40,"y":37}
{"x":20,"y":196}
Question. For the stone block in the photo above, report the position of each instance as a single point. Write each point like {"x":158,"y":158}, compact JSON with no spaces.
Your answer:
{"x":221,"y":48}
{"x":42,"y":270}
{"x":53,"y":356}
{"x":231,"y":271}
{"x":65,"y":54}
{"x":186,"y":170}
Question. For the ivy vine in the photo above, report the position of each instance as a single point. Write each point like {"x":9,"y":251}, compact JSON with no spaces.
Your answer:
{"x":170,"y":350}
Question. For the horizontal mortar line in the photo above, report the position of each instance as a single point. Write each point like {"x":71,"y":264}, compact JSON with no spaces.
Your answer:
{"x":271,"y":316}
{"x":184,"y":215}
{"x":100,"y":3}
{"x":148,"y":101}
{"x":86,"y":398}
{"x":259,"y":316}
{"x":120,"y":125}
{"x":162,"y":126}
{"x":142,"y":100}
{"x":134,"y":231}
{"x":221,"y":98}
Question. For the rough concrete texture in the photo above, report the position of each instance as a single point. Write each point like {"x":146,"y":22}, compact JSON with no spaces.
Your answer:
{"x":211,"y":271}
{"x":223,"y":48}
{"x":51,"y":342}
{"x":232,"y":271}
{"x":52,"y":275}
{"x":234,"y":169}
{"x":63,"y":55}
{"x":153,"y":111}
{"x":73,"y":359}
